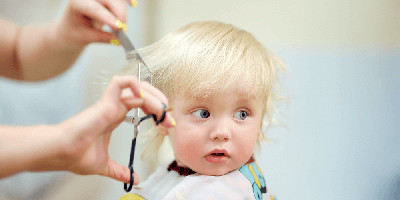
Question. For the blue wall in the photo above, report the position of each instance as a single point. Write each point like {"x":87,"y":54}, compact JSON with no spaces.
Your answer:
{"x":341,"y":137}
{"x":47,"y":102}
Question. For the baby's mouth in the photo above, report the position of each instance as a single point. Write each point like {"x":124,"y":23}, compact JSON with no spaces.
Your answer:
{"x":217,"y":156}
{"x":218,"y":152}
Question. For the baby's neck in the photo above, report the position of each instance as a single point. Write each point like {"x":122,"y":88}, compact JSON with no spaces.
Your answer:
{"x":182,"y":170}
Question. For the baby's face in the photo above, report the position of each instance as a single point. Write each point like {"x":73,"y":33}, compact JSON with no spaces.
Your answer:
{"x":217,"y":134}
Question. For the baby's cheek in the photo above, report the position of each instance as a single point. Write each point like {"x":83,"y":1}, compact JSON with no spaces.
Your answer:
{"x":190,"y":148}
{"x":185,"y":148}
{"x":246,"y":146}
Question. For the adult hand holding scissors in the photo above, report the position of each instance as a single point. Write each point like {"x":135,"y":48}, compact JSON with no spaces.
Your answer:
{"x":80,"y":144}
{"x":39,"y":52}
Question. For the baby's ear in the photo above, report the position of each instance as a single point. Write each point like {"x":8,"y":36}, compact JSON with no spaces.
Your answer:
{"x":162,"y":130}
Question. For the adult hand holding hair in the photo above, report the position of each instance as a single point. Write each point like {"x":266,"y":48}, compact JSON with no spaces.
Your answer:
{"x":35,"y":53}
{"x":80,"y":144}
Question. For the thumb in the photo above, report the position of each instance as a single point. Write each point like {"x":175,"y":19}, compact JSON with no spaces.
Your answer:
{"x":94,"y":35}
{"x":119,"y":172}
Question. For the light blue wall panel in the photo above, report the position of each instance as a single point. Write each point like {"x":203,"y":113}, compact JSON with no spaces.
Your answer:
{"x":341,"y":138}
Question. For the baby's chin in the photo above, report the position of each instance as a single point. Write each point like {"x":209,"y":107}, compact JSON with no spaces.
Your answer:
{"x":213,"y":170}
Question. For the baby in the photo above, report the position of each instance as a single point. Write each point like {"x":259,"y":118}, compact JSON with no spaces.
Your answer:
{"x":221,"y":83}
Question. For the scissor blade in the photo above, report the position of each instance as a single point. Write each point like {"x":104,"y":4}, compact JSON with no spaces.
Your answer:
{"x":124,"y":40}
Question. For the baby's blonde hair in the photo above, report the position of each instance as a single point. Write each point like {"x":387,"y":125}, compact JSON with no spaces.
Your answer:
{"x":206,"y":57}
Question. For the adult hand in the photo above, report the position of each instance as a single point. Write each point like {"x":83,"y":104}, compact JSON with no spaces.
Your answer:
{"x":87,"y":136}
{"x":83,"y":20}
{"x":56,"y":46}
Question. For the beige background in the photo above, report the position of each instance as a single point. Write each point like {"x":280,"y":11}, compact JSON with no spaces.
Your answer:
{"x":277,"y":24}
{"x":289,"y":22}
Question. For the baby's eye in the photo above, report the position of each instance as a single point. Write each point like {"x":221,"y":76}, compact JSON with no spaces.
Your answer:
{"x":202,"y":113}
{"x":241,"y":115}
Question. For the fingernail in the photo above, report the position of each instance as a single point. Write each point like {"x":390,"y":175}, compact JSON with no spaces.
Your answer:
{"x":169,"y":109}
{"x":173,"y":121}
{"x":121,"y":25}
{"x":134,"y":3}
{"x":141,"y":94}
{"x":114,"y":42}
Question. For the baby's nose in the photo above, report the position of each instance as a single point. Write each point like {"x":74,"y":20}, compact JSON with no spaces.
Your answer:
{"x":221,"y":131}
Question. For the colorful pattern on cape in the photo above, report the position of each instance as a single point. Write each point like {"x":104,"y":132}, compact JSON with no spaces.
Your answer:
{"x":253,"y":173}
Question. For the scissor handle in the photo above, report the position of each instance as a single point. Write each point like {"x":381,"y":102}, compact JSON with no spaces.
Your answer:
{"x":126,"y":187}
{"x":132,"y":157}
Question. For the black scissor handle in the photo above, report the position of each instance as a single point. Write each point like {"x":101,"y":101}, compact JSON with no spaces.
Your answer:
{"x":126,"y":187}
{"x":131,"y":159}
{"x":155,"y":117}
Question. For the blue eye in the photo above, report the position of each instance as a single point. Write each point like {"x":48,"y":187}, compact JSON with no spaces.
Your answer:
{"x":201,"y":113}
{"x":241,"y":115}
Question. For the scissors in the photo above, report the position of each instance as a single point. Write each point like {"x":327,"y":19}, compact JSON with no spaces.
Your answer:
{"x":143,"y":74}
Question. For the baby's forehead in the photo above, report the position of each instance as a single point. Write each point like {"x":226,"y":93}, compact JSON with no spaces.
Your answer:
{"x":240,"y":93}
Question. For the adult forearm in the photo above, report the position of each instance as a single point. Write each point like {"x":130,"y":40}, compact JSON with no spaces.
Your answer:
{"x":34,"y":148}
{"x":42,"y":53}
{"x":8,"y":38}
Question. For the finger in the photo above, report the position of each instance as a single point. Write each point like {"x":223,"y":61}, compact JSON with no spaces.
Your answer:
{"x":154,"y":91}
{"x":136,"y":180}
{"x":117,"y":7}
{"x":132,"y":3}
{"x":132,"y":102}
{"x":114,"y":106}
{"x":116,"y":171}
{"x":153,"y":105}
{"x":150,"y":101}
{"x":94,"y":35}
{"x":121,"y":173}
{"x":97,"y":25}
{"x":168,"y":121}
{"x":118,"y":83}
{"x":97,"y":11}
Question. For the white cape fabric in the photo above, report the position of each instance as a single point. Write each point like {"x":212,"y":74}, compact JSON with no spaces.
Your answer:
{"x":245,"y":183}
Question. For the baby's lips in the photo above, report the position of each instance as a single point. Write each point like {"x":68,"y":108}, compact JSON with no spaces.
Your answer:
{"x":219,"y":151}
